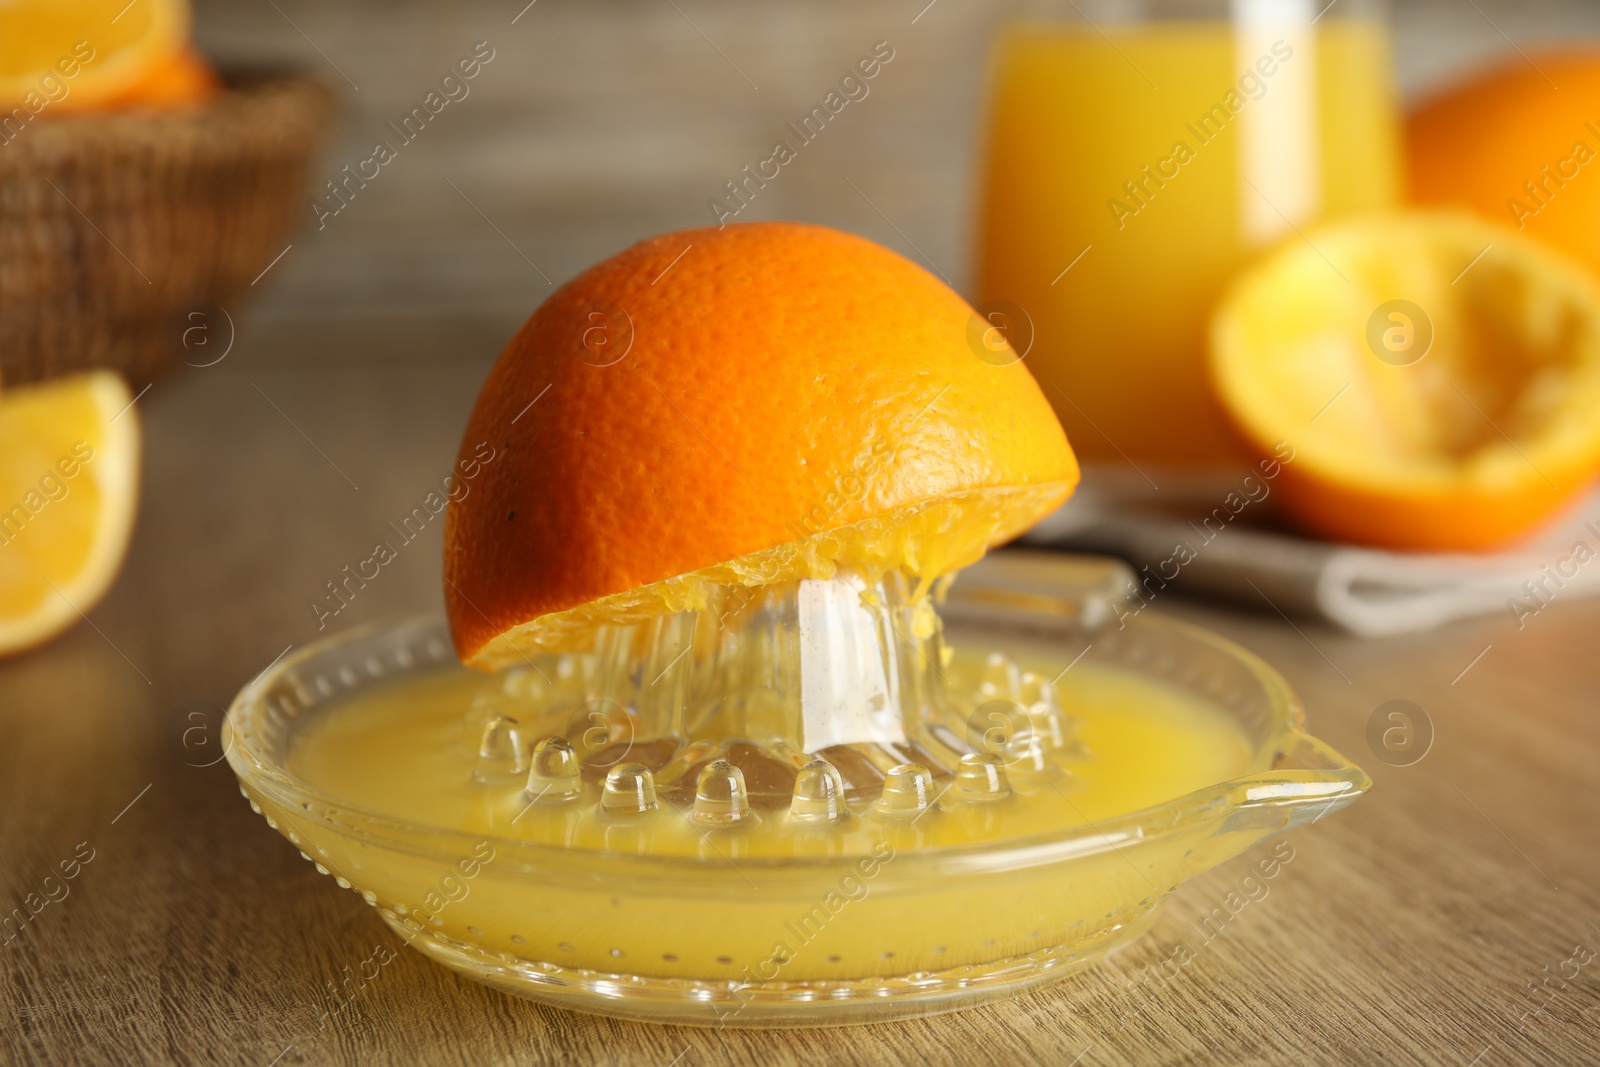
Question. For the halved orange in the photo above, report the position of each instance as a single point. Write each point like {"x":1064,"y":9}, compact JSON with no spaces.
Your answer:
{"x":1435,"y":378}
{"x":58,"y":56}
{"x":744,"y":405}
{"x":69,"y":476}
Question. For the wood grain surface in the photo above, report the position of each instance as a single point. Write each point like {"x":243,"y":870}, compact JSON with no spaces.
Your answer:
{"x":1447,"y":918}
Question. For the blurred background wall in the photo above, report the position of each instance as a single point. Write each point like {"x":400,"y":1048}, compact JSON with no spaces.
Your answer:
{"x":598,"y":122}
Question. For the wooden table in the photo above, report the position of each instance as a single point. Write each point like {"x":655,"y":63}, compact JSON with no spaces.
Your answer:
{"x":1432,"y":923}
{"x":1406,"y":928}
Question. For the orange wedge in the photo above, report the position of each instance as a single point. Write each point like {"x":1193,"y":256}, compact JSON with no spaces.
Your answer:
{"x":69,"y":475}
{"x":1435,"y":378}
{"x":72,"y":55}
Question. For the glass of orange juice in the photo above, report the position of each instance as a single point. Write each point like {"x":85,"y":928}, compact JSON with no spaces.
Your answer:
{"x":1137,"y":156}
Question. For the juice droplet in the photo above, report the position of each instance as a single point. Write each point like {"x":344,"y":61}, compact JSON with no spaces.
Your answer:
{"x":906,"y":790}
{"x":501,"y":754}
{"x":981,"y":776}
{"x":720,"y":798}
{"x":554,"y":774}
{"x":630,"y":789}
{"x":818,"y":794}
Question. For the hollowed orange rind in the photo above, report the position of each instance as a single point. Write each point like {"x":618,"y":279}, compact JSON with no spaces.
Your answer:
{"x":1464,"y":441}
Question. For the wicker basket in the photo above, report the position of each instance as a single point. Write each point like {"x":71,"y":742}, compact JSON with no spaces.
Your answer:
{"x":114,"y":227}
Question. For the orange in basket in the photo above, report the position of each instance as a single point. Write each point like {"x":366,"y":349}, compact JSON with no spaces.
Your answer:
{"x":60,"y":56}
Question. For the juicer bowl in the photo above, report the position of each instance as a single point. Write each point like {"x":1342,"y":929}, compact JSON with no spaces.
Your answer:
{"x":800,"y":941}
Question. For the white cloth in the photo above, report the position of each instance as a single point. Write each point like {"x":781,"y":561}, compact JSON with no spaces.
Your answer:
{"x":1367,"y":591}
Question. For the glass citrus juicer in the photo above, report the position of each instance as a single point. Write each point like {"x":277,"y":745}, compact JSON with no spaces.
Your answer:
{"x":820,"y":783}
